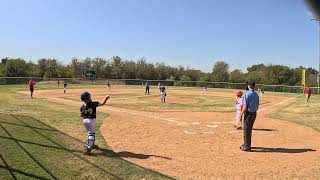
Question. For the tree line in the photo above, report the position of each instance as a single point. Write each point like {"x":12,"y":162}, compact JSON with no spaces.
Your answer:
{"x":118,"y":68}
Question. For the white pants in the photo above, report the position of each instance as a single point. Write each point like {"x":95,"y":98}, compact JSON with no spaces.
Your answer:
{"x":90,"y":125}
{"x":238,"y":119}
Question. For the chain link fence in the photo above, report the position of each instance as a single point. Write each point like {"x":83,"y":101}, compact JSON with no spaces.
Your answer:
{"x":223,"y":85}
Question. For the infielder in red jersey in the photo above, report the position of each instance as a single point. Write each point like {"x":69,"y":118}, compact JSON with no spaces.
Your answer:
{"x":31,"y":86}
{"x":308,"y":93}
{"x":239,"y":106}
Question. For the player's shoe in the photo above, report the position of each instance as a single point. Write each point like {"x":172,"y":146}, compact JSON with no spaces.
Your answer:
{"x":87,"y":150}
{"x":95,"y":147}
{"x":242,"y":148}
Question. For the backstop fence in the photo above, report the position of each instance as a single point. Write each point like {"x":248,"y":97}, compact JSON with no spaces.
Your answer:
{"x":225,"y":85}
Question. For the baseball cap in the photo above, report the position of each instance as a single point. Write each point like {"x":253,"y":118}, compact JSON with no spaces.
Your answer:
{"x":251,"y":83}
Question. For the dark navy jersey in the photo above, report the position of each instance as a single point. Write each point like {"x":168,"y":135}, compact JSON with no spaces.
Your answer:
{"x":65,"y":85}
{"x":89,"y":110}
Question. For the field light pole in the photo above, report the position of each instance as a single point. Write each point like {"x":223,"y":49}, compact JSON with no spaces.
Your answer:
{"x":318,"y":76}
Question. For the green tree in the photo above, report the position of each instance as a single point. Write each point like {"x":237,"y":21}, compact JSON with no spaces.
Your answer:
{"x":98,"y":65}
{"x":129,"y":70}
{"x":76,"y":68}
{"x":220,"y":72}
{"x":116,"y":67}
{"x":236,"y":76}
{"x":193,"y":74}
{"x":48,"y":67}
{"x":33,"y":69}
{"x":185,"y":78}
{"x":254,"y":76}
{"x":15,"y":68}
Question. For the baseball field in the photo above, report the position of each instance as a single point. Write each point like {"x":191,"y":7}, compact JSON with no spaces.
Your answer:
{"x":191,"y":136}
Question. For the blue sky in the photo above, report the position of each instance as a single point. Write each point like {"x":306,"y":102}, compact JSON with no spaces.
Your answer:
{"x":192,"y":33}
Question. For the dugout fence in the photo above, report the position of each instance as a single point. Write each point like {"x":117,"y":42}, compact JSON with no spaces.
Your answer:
{"x":223,"y":85}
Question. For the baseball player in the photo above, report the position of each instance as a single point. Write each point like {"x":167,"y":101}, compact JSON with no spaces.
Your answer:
{"x":260,"y":92}
{"x":109,"y":86}
{"x":308,"y":93}
{"x":205,"y":90}
{"x":238,"y":122}
{"x":163,"y":94}
{"x":88,"y":112}
{"x":31,"y":86}
{"x":147,"y":88}
{"x":65,"y":87}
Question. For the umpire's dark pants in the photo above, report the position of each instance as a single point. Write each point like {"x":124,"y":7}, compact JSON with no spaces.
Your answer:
{"x":249,"y":119}
{"x":147,"y":90}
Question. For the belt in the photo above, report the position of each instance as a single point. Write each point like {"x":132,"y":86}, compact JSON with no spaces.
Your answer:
{"x":251,"y":112}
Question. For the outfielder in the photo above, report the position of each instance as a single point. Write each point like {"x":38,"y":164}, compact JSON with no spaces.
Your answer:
{"x":88,"y":112}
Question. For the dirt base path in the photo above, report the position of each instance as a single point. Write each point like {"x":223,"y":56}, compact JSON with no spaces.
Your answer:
{"x":205,"y":145}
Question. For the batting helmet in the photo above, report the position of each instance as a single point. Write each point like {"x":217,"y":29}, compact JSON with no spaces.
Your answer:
{"x":85,"y":96}
{"x":239,"y":93}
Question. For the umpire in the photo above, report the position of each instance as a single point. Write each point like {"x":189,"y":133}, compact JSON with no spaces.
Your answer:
{"x":250,"y":108}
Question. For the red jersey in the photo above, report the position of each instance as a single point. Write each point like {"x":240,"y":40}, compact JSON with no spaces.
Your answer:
{"x":308,"y":91}
{"x":31,"y":83}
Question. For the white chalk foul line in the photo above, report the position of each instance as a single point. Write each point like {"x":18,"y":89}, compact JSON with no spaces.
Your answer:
{"x":128,"y":112}
{"x":149,"y":116}
{"x":182,"y":122}
{"x":212,"y":126}
{"x":270,"y":107}
{"x":222,"y":122}
{"x":187,"y":132}
{"x":209,"y":132}
{"x":278,"y":103}
{"x":237,"y":131}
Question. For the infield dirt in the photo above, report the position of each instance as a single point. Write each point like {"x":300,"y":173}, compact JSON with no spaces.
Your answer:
{"x":205,"y":145}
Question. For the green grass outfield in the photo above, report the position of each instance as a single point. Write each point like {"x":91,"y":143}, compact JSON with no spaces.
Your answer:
{"x":152,"y":102}
{"x":44,"y":140}
{"x":302,"y":112}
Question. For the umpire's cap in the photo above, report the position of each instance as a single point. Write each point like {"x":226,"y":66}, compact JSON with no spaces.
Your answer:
{"x":251,"y":83}
{"x":85,"y":96}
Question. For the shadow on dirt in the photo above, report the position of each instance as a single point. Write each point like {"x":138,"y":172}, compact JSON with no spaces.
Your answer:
{"x":126,"y":154}
{"x":263,"y":129}
{"x":279,"y":150}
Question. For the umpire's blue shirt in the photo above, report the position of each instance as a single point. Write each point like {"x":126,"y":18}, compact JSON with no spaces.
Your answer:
{"x":251,"y":100}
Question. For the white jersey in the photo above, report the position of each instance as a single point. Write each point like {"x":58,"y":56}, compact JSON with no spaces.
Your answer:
{"x":238,"y":103}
